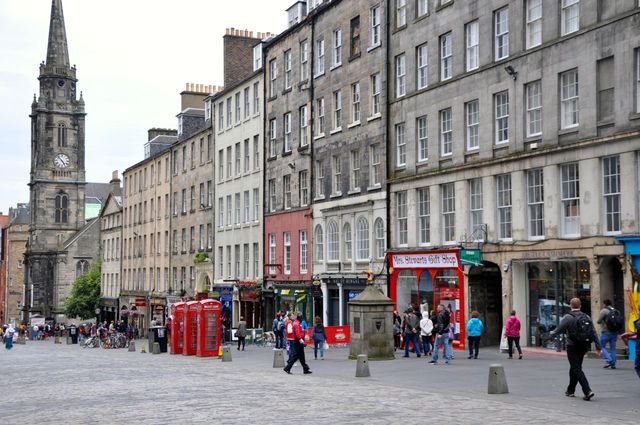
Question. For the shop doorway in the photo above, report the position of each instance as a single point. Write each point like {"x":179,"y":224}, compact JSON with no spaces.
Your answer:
{"x":485,"y":289}
{"x":611,"y":282}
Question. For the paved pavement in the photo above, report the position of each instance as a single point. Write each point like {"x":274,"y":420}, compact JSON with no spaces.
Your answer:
{"x":46,"y":383}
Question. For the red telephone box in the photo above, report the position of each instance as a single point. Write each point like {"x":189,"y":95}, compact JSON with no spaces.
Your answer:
{"x":190,"y":328}
{"x":177,"y":327}
{"x":208,"y":328}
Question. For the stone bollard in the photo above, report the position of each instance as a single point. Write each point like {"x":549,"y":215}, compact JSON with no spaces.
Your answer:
{"x":132,"y":346}
{"x":69,"y":340}
{"x":226,"y":354}
{"x":497,"y":380}
{"x":156,"y":348}
{"x":362,"y":368}
{"x":278,"y":358}
{"x":58,"y":340}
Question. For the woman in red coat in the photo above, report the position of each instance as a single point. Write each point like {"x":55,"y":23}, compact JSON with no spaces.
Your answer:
{"x":512,"y":332}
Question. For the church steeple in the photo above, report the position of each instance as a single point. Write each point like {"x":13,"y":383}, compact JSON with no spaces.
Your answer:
{"x":57,"y":51}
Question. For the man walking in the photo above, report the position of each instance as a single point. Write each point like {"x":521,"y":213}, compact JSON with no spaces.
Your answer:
{"x":275,"y":328}
{"x":411,"y":328}
{"x":612,"y":323}
{"x":441,"y":328}
{"x":581,"y":334}
{"x":288,"y":331}
{"x":298,"y":347}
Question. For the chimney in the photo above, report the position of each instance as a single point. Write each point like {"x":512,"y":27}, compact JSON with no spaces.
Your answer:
{"x":155,"y":132}
{"x":116,"y":189}
{"x":238,"y":55}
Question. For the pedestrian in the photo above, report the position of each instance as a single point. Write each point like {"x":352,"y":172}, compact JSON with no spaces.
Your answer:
{"x":319,"y":338}
{"x":288,"y":326}
{"x":8,"y":337}
{"x":612,"y":323}
{"x":241,"y":333}
{"x":275,"y":328}
{"x":512,"y":332}
{"x":397,"y":330}
{"x":411,"y":332}
{"x":426,"y":328}
{"x":441,"y":328}
{"x":637,"y":326}
{"x":581,"y":333}
{"x":298,"y":344}
{"x":474,"y":333}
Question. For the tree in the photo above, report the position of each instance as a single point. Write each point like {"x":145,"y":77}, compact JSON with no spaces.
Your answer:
{"x":85,"y":295}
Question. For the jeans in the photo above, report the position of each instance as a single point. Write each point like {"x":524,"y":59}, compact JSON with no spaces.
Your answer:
{"x":279,"y":339}
{"x":514,"y":340}
{"x":290,"y":348}
{"x":413,"y":337}
{"x":575,"y":355}
{"x":474,"y":346}
{"x":611,"y":338}
{"x":637,"y":365}
{"x":426,"y":344}
{"x":241,"y":341}
{"x":318,"y":344}
{"x":442,"y":340}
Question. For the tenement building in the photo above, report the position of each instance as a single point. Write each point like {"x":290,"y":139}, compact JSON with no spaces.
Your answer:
{"x":111,"y":247}
{"x":512,"y":126}
{"x":14,"y":239}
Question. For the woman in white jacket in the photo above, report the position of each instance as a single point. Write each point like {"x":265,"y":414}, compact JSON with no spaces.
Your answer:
{"x":426,"y":328}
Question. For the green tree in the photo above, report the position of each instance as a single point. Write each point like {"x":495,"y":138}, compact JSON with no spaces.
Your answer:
{"x":85,"y":295}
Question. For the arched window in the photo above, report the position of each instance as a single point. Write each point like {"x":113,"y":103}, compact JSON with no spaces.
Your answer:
{"x":318,"y":240}
{"x":61,"y":208}
{"x":62,"y":135}
{"x":82,"y":267}
{"x":346,"y":231}
{"x":333,"y":242}
{"x":362,"y":239}
{"x":378,"y":228}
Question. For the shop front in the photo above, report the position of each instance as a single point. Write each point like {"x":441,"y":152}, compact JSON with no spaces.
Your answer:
{"x":109,"y":310}
{"x":338,"y":292}
{"x":296,"y":297}
{"x":158,"y":309}
{"x":250,"y":300}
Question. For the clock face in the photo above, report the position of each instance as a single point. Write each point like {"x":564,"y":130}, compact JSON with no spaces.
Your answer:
{"x":61,"y":161}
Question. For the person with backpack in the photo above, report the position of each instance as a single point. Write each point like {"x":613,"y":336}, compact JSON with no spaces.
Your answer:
{"x":441,"y":328}
{"x":581,"y":333}
{"x":612,"y":323}
{"x":275,"y":328}
{"x":319,"y":338}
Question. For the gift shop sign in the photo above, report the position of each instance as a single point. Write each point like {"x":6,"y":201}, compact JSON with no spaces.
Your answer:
{"x":426,"y":260}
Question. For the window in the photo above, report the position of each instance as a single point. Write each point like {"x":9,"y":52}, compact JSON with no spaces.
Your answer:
{"x":247,"y":104}
{"x":184,"y":202}
{"x":355,"y":170}
{"x":247,"y":207}
{"x":238,"y":158}
{"x":320,"y":113}
{"x":375,"y":167}
{"x":247,"y":157}
{"x":374,"y":29}
{"x":319,"y":57}
{"x":221,"y":164}
{"x":423,"y":8}
{"x":446,"y":57}
{"x":256,"y":204}
{"x":220,"y":120}
{"x":273,"y":73}
{"x":192,"y":204}
{"x":288,"y":139}
{"x":422,"y":69}
{"x":238,"y":110}
{"x":256,"y":260}
{"x":535,"y":203}
{"x":273,"y":129}
{"x":355,"y":102}
{"x":569,"y":96}
{"x":304,"y":60}
{"x":209,"y":236}
{"x":362,"y":239}
{"x":348,"y":249}
{"x":209,"y":194}
{"x":534,"y":23}
{"x":375,"y":93}
{"x":611,"y":193}
{"x":229,"y":122}
{"x":534,"y":108}
{"x":400,"y":74}
{"x":337,"y":175}
{"x":62,"y":135}
{"x":472,"y":112}
{"x":257,"y":57}
{"x":303,"y":252}
{"x":272,"y":253}
{"x":475,"y":207}
{"x":256,"y":98}
{"x":256,"y":152}
{"x":220,"y":212}
{"x":61,"y":214}
{"x":446,"y":136}
{"x":448,"y":212}
{"x":401,"y":13}
{"x":82,"y":267}
{"x":319,"y":179}
{"x":333,"y":248}
{"x":286,"y":187}
{"x":319,"y":244}
{"x":401,"y":146}
{"x":229,"y":161}
{"x":304,"y":123}
{"x":502,"y":117}
{"x":605,"y":84}
{"x":272,"y":195}
{"x":570,"y":198}
{"x":501,"y":22}
{"x":472,"y":36}
{"x":304,"y":188}
{"x":287,"y":69}
{"x":569,"y":16}
{"x":229,"y":210}
{"x":423,"y":138}
{"x":378,"y":228}
{"x":245,"y":250}
{"x":503,"y":201}
{"x":337,"y":110}
{"x":355,"y":37}
{"x":337,"y":48}
{"x":402,"y":218}
{"x":637,"y":80}
{"x":287,"y":252}
{"x":424,"y":216}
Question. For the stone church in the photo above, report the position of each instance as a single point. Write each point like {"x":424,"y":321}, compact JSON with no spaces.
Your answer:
{"x":63,"y":242}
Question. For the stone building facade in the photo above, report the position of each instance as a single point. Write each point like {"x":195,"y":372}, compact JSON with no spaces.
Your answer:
{"x":111,"y":216}
{"x":15,"y":237}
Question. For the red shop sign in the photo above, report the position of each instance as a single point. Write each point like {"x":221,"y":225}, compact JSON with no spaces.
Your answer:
{"x":141,"y":302}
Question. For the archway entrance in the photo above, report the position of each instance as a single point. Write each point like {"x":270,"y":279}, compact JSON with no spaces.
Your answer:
{"x":485,"y":289}
{"x":612,"y":282}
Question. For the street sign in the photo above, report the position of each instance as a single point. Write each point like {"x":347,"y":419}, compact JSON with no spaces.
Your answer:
{"x":471,"y":257}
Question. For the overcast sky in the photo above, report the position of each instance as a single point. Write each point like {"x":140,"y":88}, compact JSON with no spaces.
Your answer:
{"x":133,"y":59}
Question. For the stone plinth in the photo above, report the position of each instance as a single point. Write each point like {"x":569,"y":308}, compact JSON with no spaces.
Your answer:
{"x":371,"y":319}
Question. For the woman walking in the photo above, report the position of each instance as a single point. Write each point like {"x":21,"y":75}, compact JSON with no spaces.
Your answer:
{"x":319,"y":337}
{"x":512,"y":332}
{"x":397,"y":329}
{"x":241,"y":333}
{"x":474,"y":331}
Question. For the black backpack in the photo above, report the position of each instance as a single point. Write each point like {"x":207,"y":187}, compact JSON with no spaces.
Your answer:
{"x":614,"y":320}
{"x":581,"y":331}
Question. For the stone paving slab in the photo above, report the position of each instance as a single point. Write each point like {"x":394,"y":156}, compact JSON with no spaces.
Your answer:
{"x":80,"y":386}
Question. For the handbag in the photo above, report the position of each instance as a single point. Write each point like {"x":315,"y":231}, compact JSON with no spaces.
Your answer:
{"x":325,"y":345}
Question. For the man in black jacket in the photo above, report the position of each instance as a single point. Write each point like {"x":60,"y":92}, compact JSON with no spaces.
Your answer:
{"x":441,"y":329}
{"x":577,"y":349}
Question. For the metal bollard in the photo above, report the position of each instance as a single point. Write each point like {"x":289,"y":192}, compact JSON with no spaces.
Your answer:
{"x":132,"y":346}
{"x":226,"y":354}
{"x":497,"y":380}
{"x":362,"y":368}
{"x":278,"y":358}
{"x":156,"y":348}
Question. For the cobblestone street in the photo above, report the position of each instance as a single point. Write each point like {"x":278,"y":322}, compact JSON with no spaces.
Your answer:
{"x":56,"y":384}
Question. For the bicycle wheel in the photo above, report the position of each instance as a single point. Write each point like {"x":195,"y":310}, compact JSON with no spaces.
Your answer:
{"x":103,"y":343}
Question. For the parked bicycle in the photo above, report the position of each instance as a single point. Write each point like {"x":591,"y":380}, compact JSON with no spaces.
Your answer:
{"x":91,"y":342}
{"x":115,"y":340}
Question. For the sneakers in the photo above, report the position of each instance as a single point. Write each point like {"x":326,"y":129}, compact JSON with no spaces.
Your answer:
{"x":588,"y":396}
{"x":607,"y":366}
{"x":307,"y":372}
{"x":520,"y":357}
{"x":287,"y":371}
{"x":433,"y":361}
{"x":470,"y":357}
{"x":613,"y":366}
{"x":568,"y":394}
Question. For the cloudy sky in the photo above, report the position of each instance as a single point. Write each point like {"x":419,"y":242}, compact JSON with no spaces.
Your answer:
{"x":133,"y":57}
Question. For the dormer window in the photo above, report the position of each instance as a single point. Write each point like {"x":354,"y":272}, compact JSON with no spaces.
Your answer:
{"x":180,"y":125}
{"x":257,"y":57}
{"x":207,"y":110}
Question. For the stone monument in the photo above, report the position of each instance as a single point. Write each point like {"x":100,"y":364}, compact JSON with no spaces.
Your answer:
{"x":371,"y":319}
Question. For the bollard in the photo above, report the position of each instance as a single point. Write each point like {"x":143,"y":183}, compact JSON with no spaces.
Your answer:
{"x":226,"y":354}
{"x":58,"y":340}
{"x":497,"y":380}
{"x":142,"y":348}
{"x":69,"y":340}
{"x":278,"y":358}
{"x":132,"y":346}
{"x":362,"y":368}
{"x":156,"y":348}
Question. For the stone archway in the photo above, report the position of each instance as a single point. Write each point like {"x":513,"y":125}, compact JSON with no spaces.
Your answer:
{"x":485,"y":289}
{"x":204,"y":277}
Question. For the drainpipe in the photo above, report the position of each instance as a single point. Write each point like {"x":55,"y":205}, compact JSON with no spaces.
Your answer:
{"x":386,"y":141}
